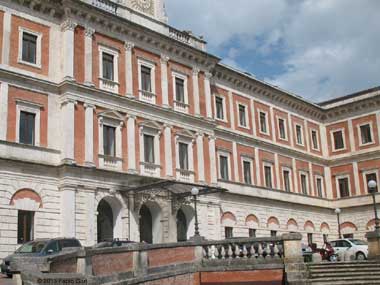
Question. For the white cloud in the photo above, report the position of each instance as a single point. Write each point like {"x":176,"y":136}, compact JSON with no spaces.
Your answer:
{"x":331,"y":46}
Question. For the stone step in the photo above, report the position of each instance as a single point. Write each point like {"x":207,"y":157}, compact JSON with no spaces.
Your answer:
{"x":348,"y":279}
{"x":349,"y":269}
{"x":344,"y":265}
{"x":360,"y":282}
{"x":345,"y":274}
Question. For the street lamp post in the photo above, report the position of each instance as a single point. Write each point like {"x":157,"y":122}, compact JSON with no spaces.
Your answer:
{"x":337,"y":212}
{"x":372,"y":190}
{"x":195,"y":192}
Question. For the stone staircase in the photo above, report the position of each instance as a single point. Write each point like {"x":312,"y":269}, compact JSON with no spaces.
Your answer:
{"x":347,"y":273}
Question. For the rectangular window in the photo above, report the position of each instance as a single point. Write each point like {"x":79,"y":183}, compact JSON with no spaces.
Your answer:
{"x":109,"y":140}
{"x":348,"y":236}
{"x":180,"y":90}
{"x":338,"y":140}
{"x":281,"y":128}
{"x":228,"y":232}
{"x":183,"y":156}
{"x":25,"y":224}
{"x":343,"y":185}
{"x":314,"y":139}
{"x":325,"y":238}
{"x":29,"y":48}
{"x":299,"y":134}
{"x":309,"y":238}
{"x":149,"y":149}
{"x":365,"y":134}
{"x":319,"y":186}
{"x":369,"y":177}
{"x":146,"y":82}
{"x":304,"y":184}
{"x":219,"y":108}
{"x":286,"y":175}
{"x":242,"y":116}
{"x":263,"y":122}
{"x":223,"y":160}
{"x":252,"y":232}
{"x":27,"y":128}
{"x":247,"y":172}
{"x":268,"y":176}
{"x":273,"y":233}
{"x":108,"y":68}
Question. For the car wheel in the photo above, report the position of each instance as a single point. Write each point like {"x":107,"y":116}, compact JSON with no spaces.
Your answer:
{"x":360,"y":256}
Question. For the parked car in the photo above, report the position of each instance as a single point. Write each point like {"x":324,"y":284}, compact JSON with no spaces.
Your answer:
{"x":36,"y":248}
{"x":355,"y":247}
{"x":113,"y":243}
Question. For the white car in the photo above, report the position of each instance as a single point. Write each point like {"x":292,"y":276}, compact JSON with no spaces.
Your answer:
{"x":353,"y":247}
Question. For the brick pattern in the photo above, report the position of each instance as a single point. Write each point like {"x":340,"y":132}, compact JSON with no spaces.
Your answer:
{"x":113,"y":262}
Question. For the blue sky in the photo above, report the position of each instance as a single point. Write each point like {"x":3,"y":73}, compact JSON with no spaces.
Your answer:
{"x":319,"y":49}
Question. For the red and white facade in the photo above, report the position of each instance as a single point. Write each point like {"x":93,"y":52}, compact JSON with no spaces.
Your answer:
{"x":283,"y":159}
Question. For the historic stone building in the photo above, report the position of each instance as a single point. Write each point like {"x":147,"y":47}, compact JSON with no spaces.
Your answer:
{"x":99,"y":98}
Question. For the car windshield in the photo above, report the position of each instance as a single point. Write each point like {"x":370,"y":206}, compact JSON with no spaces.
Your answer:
{"x":32,"y":247}
{"x":358,"y":242}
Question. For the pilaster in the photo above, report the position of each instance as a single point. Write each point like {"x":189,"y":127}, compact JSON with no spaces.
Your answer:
{"x":89,"y":134}
{"x":6,"y":38}
{"x":311,"y":179}
{"x":277,"y":168}
{"x":67,"y":121}
{"x":164,"y":80}
{"x":68,"y":194}
{"x":129,"y":68}
{"x":88,"y":35}
{"x":3,"y":110}
{"x":257,"y":164}
{"x":328,"y":182}
{"x":351,"y":135}
{"x":118,"y":137}
{"x":235,"y":161}
{"x":197,"y":108}
{"x":324,"y":145}
{"x":131,"y":130}
{"x":355,"y":169}
{"x":207,"y":87}
{"x":213,"y":166}
{"x":232,"y":113}
{"x":295,"y":175}
{"x":200,"y":158}
{"x":67,"y":28}
{"x":168,"y":150}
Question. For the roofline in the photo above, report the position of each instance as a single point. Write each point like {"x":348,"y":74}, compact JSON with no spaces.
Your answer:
{"x":349,"y":96}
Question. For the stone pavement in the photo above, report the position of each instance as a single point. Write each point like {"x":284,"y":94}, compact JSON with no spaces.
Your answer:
{"x":6,"y":281}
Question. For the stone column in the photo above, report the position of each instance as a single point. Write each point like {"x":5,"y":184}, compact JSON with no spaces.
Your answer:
{"x":277,"y":170}
{"x":295,"y":267}
{"x":6,"y":38}
{"x":328,"y":183}
{"x":68,"y":27}
{"x":164,"y":80}
{"x":258,"y":169}
{"x":197,"y":107}
{"x":118,"y":138}
{"x":207,"y":86}
{"x":295,"y":175}
{"x":200,"y":158}
{"x":68,"y":211}
{"x":131,"y":137}
{"x":91,"y":217}
{"x":89,"y":135}
{"x":129,"y":68}
{"x":232,"y":112}
{"x":235,"y":160}
{"x":67,"y":127}
{"x":168,"y":150}
{"x":88,"y":56}
{"x":213,"y":166}
{"x":3,"y":110}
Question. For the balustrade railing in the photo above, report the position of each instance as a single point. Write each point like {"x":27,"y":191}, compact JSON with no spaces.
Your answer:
{"x":244,"y":248}
{"x":106,"y":5}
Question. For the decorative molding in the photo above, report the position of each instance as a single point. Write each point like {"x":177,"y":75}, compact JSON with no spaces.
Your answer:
{"x":129,"y":46}
{"x":89,"y":32}
{"x":68,"y":25}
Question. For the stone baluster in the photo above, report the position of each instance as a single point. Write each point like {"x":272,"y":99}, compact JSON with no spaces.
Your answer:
{"x":267,"y":250}
{"x":245,"y":252}
{"x":237,"y":251}
{"x":222,"y":252}
{"x":253,"y":251}
{"x":230,"y":253}
{"x":260,"y":251}
{"x":204,"y":252}
{"x":216,"y":254}
{"x":276,"y":251}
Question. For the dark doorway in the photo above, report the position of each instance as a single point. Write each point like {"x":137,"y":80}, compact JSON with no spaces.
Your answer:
{"x":181,"y":226}
{"x":105,"y":221}
{"x":145,"y":225}
{"x":25,"y":225}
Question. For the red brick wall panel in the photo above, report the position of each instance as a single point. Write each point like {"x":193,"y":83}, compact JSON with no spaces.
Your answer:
{"x":329,"y":129}
{"x":244,"y":101}
{"x":167,"y":256}
{"x":280,"y":114}
{"x":79,"y":54}
{"x":262,"y":107}
{"x":357,"y":136}
{"x":265,"y":156}
{"x":108,"y":264}
{"x":79,"y":134}
{"x":274,"y":276}
{"x":346,"y":169}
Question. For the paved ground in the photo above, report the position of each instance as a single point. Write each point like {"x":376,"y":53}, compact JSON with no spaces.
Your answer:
{"x":5,"y":281}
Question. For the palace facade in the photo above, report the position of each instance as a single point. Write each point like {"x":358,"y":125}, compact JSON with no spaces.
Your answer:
{"x":107,"y":114}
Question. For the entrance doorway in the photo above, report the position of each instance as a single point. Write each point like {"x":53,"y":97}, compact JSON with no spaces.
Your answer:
{"x":181,"y":226}
{"x":105,"y":221}
{"x":146,"y":225}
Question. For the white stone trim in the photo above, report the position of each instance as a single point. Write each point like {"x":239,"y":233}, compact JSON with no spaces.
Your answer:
{"x":180,"y":107}
{"x":337,"y":185}
{"x":278,"y":117}
{"x":152,"y":98}
{"x":213,"y":165}
{"x":151,"y":170}
{"x":308,"y":189}
{"x":250,"y":160}
{"x":378,"y":124}
{"x":228,"y":156}
{"x":6,"y":37}
{"x":333,"y":142}
{"x":286,"y":168}
{"x":67,"y":126}
{"x":207,"y":87}
{"x":106,"y":84}
{"x":302,"y":143}
{"x":200,"y":158}
{"x":21,"y":31}
{"x":324,"y":141}
{"x":3,"y":110}
{"x":316,"y":177}
{"x":232,"y":113}
{"x":129,"y":68}
{"x":188,"y":175}
{"x":224,"y":119}
{"x":247,"y":126}
{"x":68,"y":212}
{"x":327,"y":172}
{"x":252,"y":105}
{"x":68,"y":27}
{"x":272,"y":123}
{"x":197,"y":108}
{"x":295,"y":177}
{"x":290,"y":122}
{"x":259,"y":111}
{"x":30,"y":107}
{"x":131,"y":141}
{"x":235,"y":161}
{"x":310,"y":179}
{"x":360,"y":133}
{"x":26,"y":204}
{"x":351,"y":135}
{"x":164,"y":80}
{"x":355,"y":170}
{"x":277,"y":169}
{"x":168,"y":151}
{"x":89,"y":134}
{"x":311,"y":139}
{"x":257,"y":162}
{"x":88,"y":56}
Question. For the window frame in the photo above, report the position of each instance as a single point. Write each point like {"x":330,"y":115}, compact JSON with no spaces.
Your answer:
{"x":306,"y":174}
{"x":283,"y":169}
{"x":268,"y":164}
{"x":246,"y":116}
{"x":33,"y":108}
{"x":227,"y":155}
{"x":180,"y":106}
{"x":342,"y":130}
{"x":317,"y":139}
{"x":279,"y":129}
{"x":224,"y":119}
{"x":259,"y":111}
{"x":146,"y":167}
{"x":152,"y":65}
{"x":316,"y":178}
{"x":39,"y":35}
{"x":105,"y":125}
{"x":302,"y":143}
{"x":367,"y":172}
{"x":250,"y":161}
{"x":369,"y":123}
{"x":104,"y":83}
{"x":337,"y":178}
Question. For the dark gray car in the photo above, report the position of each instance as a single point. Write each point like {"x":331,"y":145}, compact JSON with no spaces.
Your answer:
{"x":38,"y":248}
